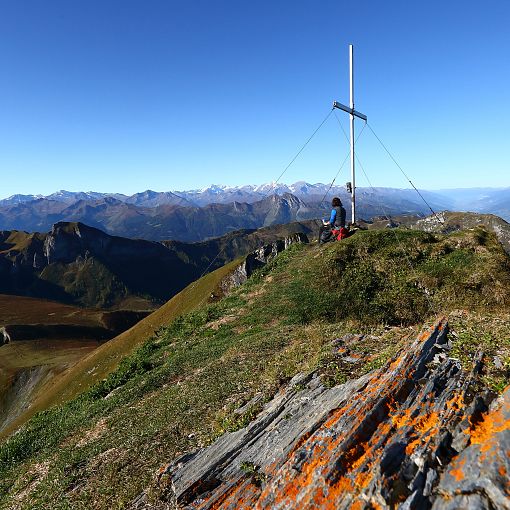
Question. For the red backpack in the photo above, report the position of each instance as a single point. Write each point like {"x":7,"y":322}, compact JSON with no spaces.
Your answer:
{"x":340,"y":233}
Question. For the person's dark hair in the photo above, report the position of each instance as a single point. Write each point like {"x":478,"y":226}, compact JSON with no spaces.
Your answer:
{"x":336,"y":202}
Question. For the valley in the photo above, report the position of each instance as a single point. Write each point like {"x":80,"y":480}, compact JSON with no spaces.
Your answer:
{"x":40,"y":339}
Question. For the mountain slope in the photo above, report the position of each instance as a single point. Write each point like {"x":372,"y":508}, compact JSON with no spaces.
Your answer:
{"x":188,"y":384}
{"x":409,"y":435}
{"x":75,"y":263}
{"x":107,"y":357}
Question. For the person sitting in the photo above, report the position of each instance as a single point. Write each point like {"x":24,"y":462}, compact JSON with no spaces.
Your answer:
{"x":336,"y":221}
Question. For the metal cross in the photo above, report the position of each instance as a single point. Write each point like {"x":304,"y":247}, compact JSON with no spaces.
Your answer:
{"x":352,"y":113}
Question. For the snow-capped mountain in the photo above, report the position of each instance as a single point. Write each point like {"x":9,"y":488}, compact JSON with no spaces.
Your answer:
{"x":151,"y":198}
{"x":19,"y":199}
{"x":405,"y":200}
{"x":70,"y":197}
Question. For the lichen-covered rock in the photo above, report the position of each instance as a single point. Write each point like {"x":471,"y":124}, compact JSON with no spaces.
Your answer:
{"x":418,"y":433}
{"x":479,"y":477}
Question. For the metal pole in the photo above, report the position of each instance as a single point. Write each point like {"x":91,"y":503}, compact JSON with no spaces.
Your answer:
{"x":351,"y":104}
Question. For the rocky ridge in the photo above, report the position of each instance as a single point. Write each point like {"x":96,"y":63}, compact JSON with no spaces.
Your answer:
{"x":258,"y":259}
{"x":418,"y":433}
{"x":446,"y":222}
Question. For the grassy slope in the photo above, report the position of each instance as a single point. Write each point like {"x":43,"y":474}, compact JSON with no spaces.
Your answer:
{"x":106,"y":358}
{"x":27,"y":367}
{"x":19,"y":240}
{"x":58,"y":355}
{"x":177,"y":390}
{"x":17,"y":356}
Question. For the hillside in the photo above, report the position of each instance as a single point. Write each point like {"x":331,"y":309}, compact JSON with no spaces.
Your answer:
{"x":105,"y":358}
{"x":338,"y":311}
{"x":41,"y":339}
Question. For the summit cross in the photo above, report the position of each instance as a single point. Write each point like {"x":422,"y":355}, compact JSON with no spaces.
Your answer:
{"x":352,"y":113}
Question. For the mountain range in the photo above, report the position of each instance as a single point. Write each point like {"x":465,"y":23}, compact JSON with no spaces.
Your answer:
{"x":190,"y":223}
{"x":221,"y":194}
{"x":201,"y":214}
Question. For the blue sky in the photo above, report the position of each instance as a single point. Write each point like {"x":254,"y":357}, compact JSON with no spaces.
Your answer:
{"x":127,"y":95}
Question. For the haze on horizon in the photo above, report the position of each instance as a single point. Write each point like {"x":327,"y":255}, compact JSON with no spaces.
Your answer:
{"x":124,"y":96}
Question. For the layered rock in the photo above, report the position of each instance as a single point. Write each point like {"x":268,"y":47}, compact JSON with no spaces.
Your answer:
{"x":417,"y":433}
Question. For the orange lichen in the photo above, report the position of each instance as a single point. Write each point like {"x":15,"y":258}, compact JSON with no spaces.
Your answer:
{"x":457,"y":472}
{"x":244,"y":494}
{"x":483,"y":432}
{"x":412,"y":446}
{"x":456,"y":402}
{"x":402,"y":420}
{"x":364,"y":478}
{"x":343,"y":485}
{"x":340,"y":455}
{"x":427,"y":422}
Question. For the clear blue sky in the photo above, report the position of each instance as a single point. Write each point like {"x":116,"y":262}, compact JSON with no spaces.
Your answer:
{"x":126,"y":95}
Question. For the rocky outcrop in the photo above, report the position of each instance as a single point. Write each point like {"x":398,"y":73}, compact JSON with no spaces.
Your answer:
{"x":446,"y":222}
{"x":418,"y":433}
{"x":258,"y":259}
{"x":5,"y":338}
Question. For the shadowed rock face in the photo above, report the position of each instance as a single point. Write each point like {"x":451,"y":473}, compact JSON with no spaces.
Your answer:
{"x":419,"y":433}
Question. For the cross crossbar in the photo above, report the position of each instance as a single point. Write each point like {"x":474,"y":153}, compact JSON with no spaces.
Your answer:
{"x":352,"y":111}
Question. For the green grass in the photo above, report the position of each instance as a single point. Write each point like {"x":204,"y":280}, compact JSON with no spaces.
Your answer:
{"x":487,"y":333}
{"x":177,"y":391}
